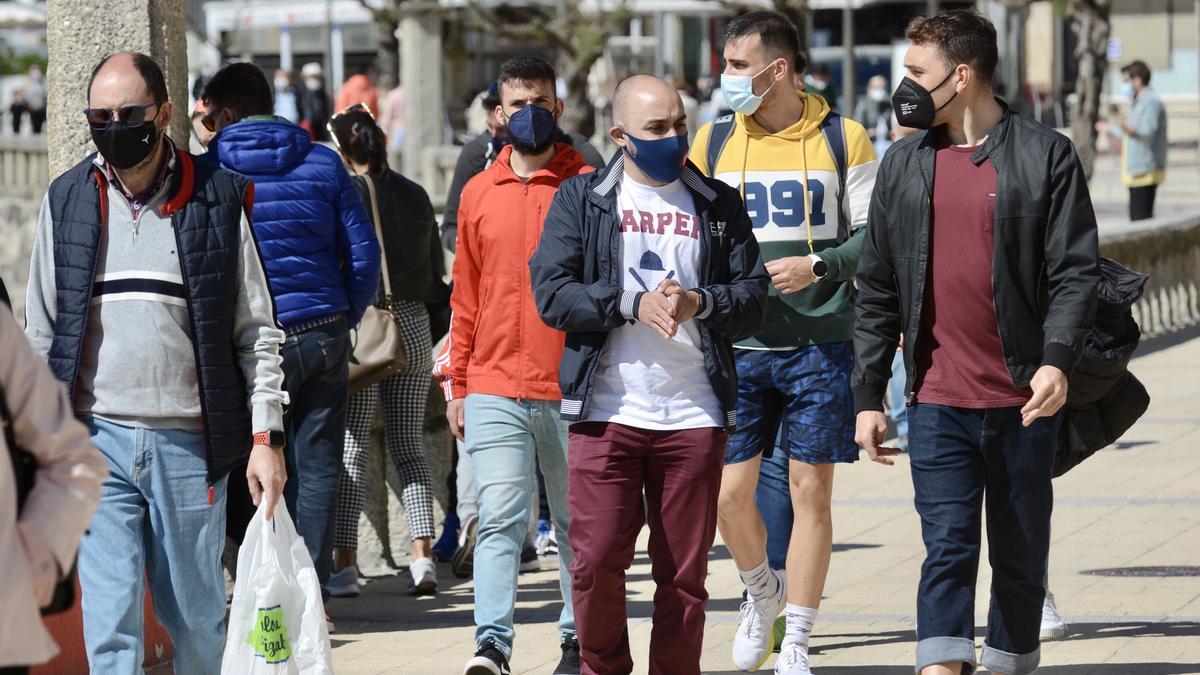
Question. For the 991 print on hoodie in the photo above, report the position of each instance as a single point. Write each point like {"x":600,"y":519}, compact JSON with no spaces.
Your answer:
{"x":789,"y":183}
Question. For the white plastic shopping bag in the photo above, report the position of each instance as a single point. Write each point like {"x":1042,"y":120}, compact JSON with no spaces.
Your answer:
{"x":277,"y":620}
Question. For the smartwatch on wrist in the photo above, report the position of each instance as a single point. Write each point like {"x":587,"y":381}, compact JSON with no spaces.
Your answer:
{"x":819,"y":267}
{"x":274,"y":439}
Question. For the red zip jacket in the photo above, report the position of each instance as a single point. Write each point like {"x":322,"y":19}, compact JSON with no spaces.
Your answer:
{"x":498,"y":344}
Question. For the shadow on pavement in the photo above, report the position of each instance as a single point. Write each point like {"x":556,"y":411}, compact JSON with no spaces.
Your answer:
{"x":384,"y":606}
{"x":1168,"y":340}
{"x":1084,"y":669}
{"x":1078,"y":631}
{"x":855,"y":640}
{"x":1118,"y":669}
{"x":1166,"y":629}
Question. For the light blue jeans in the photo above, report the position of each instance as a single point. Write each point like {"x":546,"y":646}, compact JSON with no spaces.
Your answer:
{"x":897,"y":401}
{"x":503,"y":436}
{"x":154,"y":519}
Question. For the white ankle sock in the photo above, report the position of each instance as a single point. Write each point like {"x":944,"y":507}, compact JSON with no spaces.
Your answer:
{"x":760,"y":582}
{"x":800,"y":622}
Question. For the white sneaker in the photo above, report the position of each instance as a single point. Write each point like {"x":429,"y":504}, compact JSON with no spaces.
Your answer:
{"x":424,"y":576}
{"x":343,"y":583}
{"x":792,"y":661}
{"x":1053,"y":626}
{"x":755,"y":631}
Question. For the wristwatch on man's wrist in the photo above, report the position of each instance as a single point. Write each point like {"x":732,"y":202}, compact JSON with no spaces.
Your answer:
{"x":819,"y":267}
{"x":275,"y":439}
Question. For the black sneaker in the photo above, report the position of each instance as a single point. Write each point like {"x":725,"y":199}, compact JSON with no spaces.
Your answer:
{"x":529,"y":560}
{"x":489,"y":660}
{"x":569,"y":665}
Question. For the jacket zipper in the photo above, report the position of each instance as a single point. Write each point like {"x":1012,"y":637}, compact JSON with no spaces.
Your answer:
{"x":590,"y":379}
{"x":208,"y":452}
{"x":707,"y":346}
{"x":521,"y":297}
{"x":922,"y":276}
{"x":1004,"y":341}
{"x":101,"y":184}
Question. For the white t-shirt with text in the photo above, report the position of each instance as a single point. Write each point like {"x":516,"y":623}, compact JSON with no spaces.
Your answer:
{"x":644,"y":380}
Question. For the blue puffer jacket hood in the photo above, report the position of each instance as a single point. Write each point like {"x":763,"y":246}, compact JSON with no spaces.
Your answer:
{"x":317,"y":242}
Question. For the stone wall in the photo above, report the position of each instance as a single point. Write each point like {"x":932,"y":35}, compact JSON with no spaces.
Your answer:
{"x":79,"y":34}
{"x":1168,"y":249}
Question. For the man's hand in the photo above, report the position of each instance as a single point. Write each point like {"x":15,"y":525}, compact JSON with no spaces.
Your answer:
{"x":791,"y":275}
{"x":266,"y":474}
{"x":656,"y":311}
{"x":870,"y":429}
{"x":1049,"y":386}
{"x":685,"y":303}
{"x":1102,"y":126}
{"x":455,"y":415}
{"x":42,"y":565}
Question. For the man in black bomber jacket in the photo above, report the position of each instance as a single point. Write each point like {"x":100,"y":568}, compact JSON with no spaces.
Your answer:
{"x":981,"y":253}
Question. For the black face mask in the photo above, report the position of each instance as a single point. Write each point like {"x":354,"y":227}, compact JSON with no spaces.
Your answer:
{"x":125,"y":147}
{"x":914,"y":105}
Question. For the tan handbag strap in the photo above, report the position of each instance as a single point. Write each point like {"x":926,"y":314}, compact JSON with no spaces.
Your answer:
{"x":387,"y":281}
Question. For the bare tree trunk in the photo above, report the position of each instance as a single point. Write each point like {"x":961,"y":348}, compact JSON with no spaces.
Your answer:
{"x":1092,"y":19}
{"x":387,"y":53}
{"x":579,"y":116}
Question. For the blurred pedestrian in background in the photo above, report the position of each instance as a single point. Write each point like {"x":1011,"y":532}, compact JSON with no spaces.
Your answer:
{"x":1144,"y":130}
{"x":314,"y":102}
{"x":414,"y":257}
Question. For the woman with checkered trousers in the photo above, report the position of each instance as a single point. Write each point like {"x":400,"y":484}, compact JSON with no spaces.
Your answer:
{"x":414,"y":257}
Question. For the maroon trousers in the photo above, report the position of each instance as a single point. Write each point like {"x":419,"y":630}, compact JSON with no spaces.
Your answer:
{"x":609,"y":468}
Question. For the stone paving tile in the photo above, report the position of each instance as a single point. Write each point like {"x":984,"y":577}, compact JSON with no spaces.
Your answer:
{"x":1134,"y":505}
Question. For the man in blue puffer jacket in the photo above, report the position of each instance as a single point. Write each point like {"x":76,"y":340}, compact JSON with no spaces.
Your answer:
{"x":322,"y":261}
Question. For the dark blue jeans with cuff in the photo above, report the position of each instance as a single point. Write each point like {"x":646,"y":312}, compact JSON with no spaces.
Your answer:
{"x":963,"y":462}
{"x":316,"y":366}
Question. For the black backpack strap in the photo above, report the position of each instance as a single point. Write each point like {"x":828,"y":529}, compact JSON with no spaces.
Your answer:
{"x":722,"y":129}
{"x":835,"y":138}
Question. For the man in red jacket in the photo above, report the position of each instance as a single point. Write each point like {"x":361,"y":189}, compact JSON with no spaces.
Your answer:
{"x":501,"y":365}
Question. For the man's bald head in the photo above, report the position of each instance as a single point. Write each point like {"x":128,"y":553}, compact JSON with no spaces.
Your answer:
{"x":638,"y":94}
{"x":117,"y":76}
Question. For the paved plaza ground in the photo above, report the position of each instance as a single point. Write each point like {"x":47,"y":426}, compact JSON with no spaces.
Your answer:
{"x":1134,"y":505}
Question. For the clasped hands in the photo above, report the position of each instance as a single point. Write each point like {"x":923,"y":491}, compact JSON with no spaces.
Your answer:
{"x":667,"y":307}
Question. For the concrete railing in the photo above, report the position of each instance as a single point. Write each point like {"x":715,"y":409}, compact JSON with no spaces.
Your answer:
{"x":24,"y":164}
{"x":437,"y":170}
{"x":1168,"y":249}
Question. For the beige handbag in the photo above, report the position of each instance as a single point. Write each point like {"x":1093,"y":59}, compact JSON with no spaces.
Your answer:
{"x":378,"y":351}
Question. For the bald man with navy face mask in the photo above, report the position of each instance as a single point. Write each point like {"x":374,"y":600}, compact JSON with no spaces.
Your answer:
{"x":647,"y":374}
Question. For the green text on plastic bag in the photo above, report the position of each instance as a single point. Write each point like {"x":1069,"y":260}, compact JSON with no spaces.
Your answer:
{"x":269,"y":636}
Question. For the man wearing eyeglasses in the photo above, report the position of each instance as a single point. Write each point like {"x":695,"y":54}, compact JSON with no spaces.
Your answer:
{"x":322,"y":261}
{"x":147,"y":295}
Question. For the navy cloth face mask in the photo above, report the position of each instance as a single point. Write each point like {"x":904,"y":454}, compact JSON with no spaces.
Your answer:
{"x":661,"y":159}
{"x":531,"y":129}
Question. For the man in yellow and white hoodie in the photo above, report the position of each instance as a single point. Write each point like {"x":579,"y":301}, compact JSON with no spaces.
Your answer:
{"x":806,"y":175}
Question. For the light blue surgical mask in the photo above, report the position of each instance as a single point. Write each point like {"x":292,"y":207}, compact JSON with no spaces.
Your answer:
{"x":1127,"y":89}
{"x":739,"y":92}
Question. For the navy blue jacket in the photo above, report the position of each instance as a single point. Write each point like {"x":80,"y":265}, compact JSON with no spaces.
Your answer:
{"x":206,"y":211}
{"x":318,"y":243}
{"x":576,"y":279}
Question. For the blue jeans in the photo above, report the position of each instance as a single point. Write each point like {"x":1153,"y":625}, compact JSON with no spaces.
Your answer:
{"x":958,"y":458}
{"x":897,"y":401}
{"x":315,"y":367}
{"x":773,"y":496}
{"x":154,"y":519}
{"x":503,"y":436}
